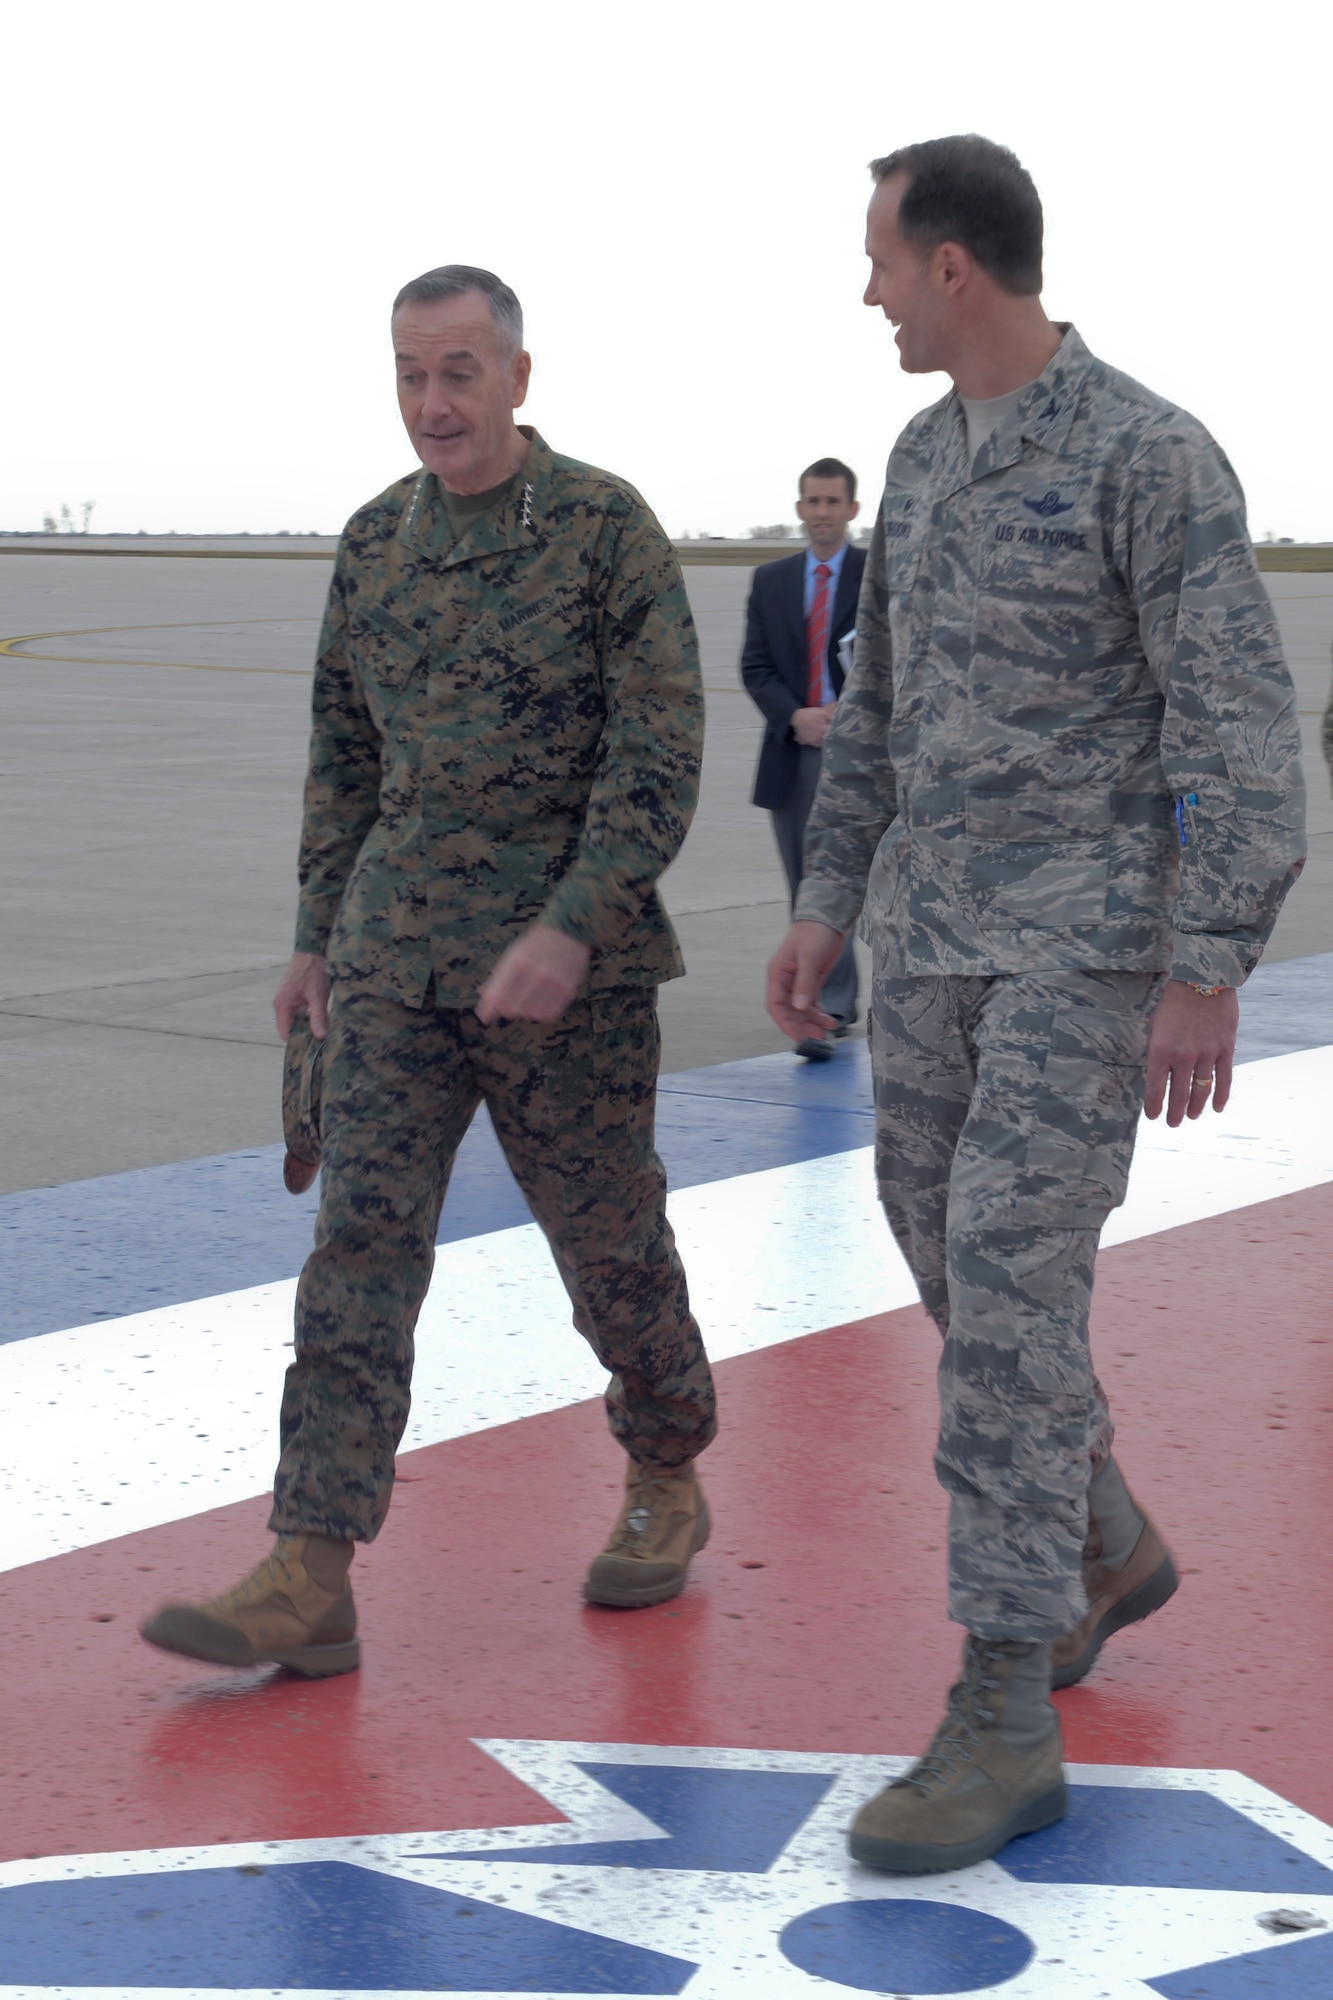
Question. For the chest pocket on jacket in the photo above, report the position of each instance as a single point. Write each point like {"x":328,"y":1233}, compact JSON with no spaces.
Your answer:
{"x":1042,"y":539}
{"x":1038,"y":600}
{"x":904,"y":522}
{"x":536,"y":668}
{"x":386,"y":653}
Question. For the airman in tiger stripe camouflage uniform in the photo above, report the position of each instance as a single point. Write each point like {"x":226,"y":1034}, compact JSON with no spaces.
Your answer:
{"x":1064,"y":782}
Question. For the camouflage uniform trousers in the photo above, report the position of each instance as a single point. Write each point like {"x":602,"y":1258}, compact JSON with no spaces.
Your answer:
{"x":1006,"y":1110}
{"x":573,"y":1105}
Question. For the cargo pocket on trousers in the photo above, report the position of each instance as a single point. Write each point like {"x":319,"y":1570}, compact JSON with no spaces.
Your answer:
{"x":626,"y":1049}
{"x":1078,"y":1158}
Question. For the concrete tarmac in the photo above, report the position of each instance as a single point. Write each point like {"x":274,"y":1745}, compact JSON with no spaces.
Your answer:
{"x":154,"y":716}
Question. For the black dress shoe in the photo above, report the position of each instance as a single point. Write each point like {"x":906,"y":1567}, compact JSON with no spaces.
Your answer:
{"x":814,"y":1051}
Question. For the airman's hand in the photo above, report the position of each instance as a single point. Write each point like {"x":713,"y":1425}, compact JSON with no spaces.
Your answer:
{"x":304,"y":990}
{"x":535,"y":978}
{"x":1191,"y":1045}
{"x":796,"y":973}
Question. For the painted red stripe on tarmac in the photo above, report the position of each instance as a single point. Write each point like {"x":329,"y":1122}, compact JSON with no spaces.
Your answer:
{"x":816,"y":1618}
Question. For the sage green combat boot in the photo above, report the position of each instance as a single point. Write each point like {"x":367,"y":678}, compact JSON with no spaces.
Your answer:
{"x":663,"y":1522}
{"x":1127,"y":1573}
{"x":295,"y":1611}
{"x":993,"y":1770}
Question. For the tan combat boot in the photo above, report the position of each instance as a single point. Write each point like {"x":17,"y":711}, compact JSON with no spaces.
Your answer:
{"x":993,"y":1770}
{"x":1116,"y":1598}
{"x":295,"y":1610}
{"x":663,"y":1522}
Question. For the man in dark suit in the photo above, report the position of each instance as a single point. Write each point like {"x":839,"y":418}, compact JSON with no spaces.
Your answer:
{"x":799,"y":610}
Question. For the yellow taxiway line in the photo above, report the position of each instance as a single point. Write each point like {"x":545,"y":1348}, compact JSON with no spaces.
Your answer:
{"x":11,"y":647}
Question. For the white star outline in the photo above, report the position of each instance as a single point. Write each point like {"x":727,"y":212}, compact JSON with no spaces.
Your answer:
{"x":1090,"y":1942}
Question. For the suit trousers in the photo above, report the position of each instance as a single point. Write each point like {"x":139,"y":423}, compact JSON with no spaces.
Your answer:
{"x":573,"y":1105}
{"x":839,"y":994}
{"x":1005,"y":1111}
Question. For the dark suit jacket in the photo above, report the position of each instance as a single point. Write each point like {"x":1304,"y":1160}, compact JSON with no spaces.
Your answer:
{"x":773,"y":664}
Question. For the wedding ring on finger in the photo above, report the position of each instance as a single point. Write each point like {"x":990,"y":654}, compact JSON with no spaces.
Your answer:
{"x":1202,"y":1082}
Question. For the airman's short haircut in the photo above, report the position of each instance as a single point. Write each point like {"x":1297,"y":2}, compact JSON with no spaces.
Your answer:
{"x":968,"y":190}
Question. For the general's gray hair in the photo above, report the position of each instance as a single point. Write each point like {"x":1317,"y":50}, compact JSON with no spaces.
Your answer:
{"x":450,"y":281}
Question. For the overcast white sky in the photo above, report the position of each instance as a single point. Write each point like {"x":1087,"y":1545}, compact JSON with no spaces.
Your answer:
{"x":208,"y":210}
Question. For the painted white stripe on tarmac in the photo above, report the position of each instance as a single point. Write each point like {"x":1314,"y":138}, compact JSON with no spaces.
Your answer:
{"x":130,"y":1423}
{"x":1274,"y":1138}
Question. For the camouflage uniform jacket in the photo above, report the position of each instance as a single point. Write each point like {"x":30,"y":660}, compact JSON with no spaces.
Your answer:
{"x":1070,"y":738}
{"x":506,"y":727}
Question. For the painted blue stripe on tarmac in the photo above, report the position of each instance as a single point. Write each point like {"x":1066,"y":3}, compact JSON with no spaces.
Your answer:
{"x":125,"y":1243}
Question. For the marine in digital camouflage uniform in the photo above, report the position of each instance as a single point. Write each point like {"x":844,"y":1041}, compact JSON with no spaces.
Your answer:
{"x":507,"y":732}
{"x":1065,"y":772}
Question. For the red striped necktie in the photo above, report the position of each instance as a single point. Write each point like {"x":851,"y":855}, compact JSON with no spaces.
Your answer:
{"x":816,"y":637}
